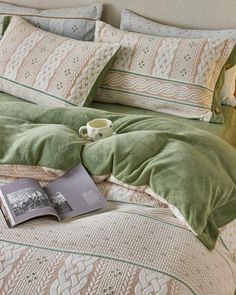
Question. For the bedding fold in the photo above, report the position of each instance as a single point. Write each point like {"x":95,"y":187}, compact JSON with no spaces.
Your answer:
{"x":190,"y":170}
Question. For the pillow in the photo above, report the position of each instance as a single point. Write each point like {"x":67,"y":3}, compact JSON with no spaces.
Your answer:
{"x":177,"y":76}
{"x":77,"y":23}
{"x":49,"y":69}
{"x":135,"y":23}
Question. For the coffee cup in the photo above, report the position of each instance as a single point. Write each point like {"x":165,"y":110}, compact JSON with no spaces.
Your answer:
{"x":96,"y":129}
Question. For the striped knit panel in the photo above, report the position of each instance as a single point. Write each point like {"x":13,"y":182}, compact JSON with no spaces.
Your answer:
{"x":171,"y":75}
{"x":49,"y":69}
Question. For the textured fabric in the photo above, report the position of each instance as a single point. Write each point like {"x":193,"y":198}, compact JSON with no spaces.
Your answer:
{"x":49,"y":69}
{"x":161,"y":154}
{"x":181,"y":12}
{"x":169,"y":75}
{"x":134,"y":246}
{"x":226,"y":131}
{"x":228,"y":236}
{"x":135,"y":23}
{"x":131,"y":21}
{"x":77,"y":23}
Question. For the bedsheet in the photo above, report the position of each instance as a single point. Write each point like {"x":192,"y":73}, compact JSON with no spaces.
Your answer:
{"x":226,"y":131}
{"x":135,"y":246}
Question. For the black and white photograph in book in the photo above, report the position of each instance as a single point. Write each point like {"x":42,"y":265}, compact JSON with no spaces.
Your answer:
{"x":60,"y":203}
{"x":28,"y":199}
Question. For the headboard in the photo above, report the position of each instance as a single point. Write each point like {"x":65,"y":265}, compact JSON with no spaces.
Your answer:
{"x":208,"y":14}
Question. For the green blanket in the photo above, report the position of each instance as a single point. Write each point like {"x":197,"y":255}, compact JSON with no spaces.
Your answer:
{"x":189,"y":169}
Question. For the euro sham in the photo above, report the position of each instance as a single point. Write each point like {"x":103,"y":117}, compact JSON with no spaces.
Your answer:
{"x":77,"y":23}
{"x":169,"y":75}
{"x":49,"y":69}
{"x":130,"y":21}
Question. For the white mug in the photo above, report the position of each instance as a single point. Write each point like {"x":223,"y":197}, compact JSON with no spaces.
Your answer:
{"x":96,"y":129}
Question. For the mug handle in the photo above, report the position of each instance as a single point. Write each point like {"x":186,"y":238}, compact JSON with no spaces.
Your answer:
{"x":82,"y":133}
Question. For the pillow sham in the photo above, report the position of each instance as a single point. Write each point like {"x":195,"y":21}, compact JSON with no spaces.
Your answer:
{"x":49,"y":69}
{"x":177,"y":76}
{"x":136,"y":23}
{"x":77,"y":23}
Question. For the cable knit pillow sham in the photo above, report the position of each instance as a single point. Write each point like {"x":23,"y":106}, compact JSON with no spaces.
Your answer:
{"x":133,"y":22}
{"x":172,"y":75}
{"x":77,"y":23}
{"x":49,"y":69}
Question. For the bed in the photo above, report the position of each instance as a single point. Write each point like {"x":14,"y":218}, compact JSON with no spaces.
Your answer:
{"x":136,"y":245}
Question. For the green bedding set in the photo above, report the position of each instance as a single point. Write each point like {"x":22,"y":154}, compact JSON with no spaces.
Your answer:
{"x":167,"y":179}
{"x":191,"y":170}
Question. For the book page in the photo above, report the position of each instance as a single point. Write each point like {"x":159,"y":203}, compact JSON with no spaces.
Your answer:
{"x":25,"y":199}
{"x":74,"y":193}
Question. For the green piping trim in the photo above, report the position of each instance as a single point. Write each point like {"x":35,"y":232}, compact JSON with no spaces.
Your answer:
{"x":104,"y":257}
{"x":147,"y":216}
{"x":156,"y":97}
{"x":228,"y":266}
{"x":223,"y":243}
{"x":162,"y":79}
{"x":49,"y":16}
{"x":156,"y":218}
{"x":130,"y":203}
{"x":43,"y":92}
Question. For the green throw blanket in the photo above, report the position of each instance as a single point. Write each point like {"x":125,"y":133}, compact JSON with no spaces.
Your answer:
{"x":190,"y":169}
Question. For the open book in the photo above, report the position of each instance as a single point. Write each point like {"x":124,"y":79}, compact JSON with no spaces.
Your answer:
{"x":70,"y":195}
